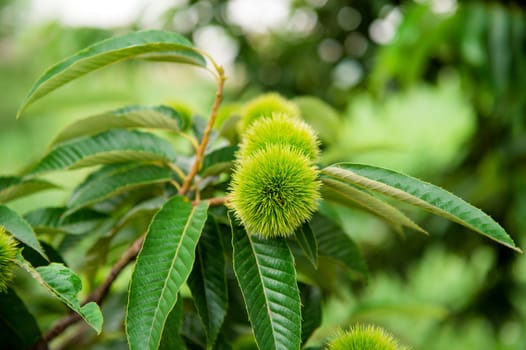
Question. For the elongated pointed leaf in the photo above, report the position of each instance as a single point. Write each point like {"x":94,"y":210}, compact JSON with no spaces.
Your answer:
{"x":307,"y":241}
{"x":163,"y":265}
{"x":105,"y":148}
{"x":127,"y":46}
{"x":208,"y":281}
{"x":112,"y":180}
{"x":64,"y":284}
{"x":334,"y":243}
{"x":18,"y":328}
{"x":19,"y":228}
{"x":265,"y":271}
{"x":13,"y":187}
{"x":160,"y":117}
{"x":423,"y":195}
{"x":348,"y":195}
{"x":54,"y":219}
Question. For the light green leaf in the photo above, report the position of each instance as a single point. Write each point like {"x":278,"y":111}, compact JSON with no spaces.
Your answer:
{"x":347,"y":194}
{"x":163,"y":265}
{"x":160,"y":117}
{"x":20,"y":229}
{"x":63,"y":283}
{"x":108,"y":147}
{"x":219,"y":161}
{"x":323,"y":118}
{"x":114,"y":179}
{"x":334,"y":243}
{"x":127,"y":46}
{"x":54,"y":219}
{"x":208,"y":281}
{"x":265,"y":271}
{"x":13,"y":187}
{"x":307,"y":241}
{"x":423,"y":195}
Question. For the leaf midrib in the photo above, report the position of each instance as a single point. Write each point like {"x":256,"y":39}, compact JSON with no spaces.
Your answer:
{"x":409,"y":198}
{"x":185,"y":230}
{"x":269,"y":313}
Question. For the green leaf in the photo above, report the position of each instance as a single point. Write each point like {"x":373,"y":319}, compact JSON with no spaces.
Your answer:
{"x":334,"y":243}
{"x":36,"y":259}
{"x":323,"y":118}
{"x":54,"y":220}
{"x":105,"y":148}
{"x":20,"y":229}
{"x":144,"y":209}
{"x":163,"y":265}
{"x":310,"y":311}
{"x":160,"y":117}
{"x":127,"y":46}
{"x":265,"y":271}
{"x":192,"y":331}
{"x":13,"y":187}
{"x":219,"y":161}
{"x":171,"y":338}
{"x":64,"y":284}
{"x":349,"y":195}
{"x":18,"y":328}
{"x":307,"y":241}
{"x":423,"y":195}
{"x":114,"y":179}
{"x":208,"y":281}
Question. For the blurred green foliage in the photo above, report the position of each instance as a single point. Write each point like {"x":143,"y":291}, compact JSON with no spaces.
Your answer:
{"x":442,"y":99}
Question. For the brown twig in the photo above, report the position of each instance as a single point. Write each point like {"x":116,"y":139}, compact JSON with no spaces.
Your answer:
{"x":97,"y":295}
{"x":206,"y":135}
{"x":213,"y":202}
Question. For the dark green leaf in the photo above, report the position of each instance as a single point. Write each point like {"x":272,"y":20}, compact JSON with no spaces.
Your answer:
{"x":127,"y":46}
{"x":18,"y":328}
{"x":63,"y":283}
{"x":108,"y":147}
{"x":13,"y":187}
{"x":161,"y":117}
{"x":310,"y":311}
{"x":171,"y":338}
{"x":111,"y":180}
{"x":423,"y":195}
{"x":163,"y":265}
{"x":20,"y":229}
{"x":192,"y":331}
{"x":208,"y":281}
{"x":54,"y":219}
{"x":36,"y":259}
{"x":265,"y":271}
{"x":219,"y":161}
{"x":146,"y":208}
{"x":336,"y":244}
{"x":307,"y":241}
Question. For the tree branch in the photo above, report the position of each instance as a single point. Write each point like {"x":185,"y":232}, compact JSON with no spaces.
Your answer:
{"x":206,"y":136}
